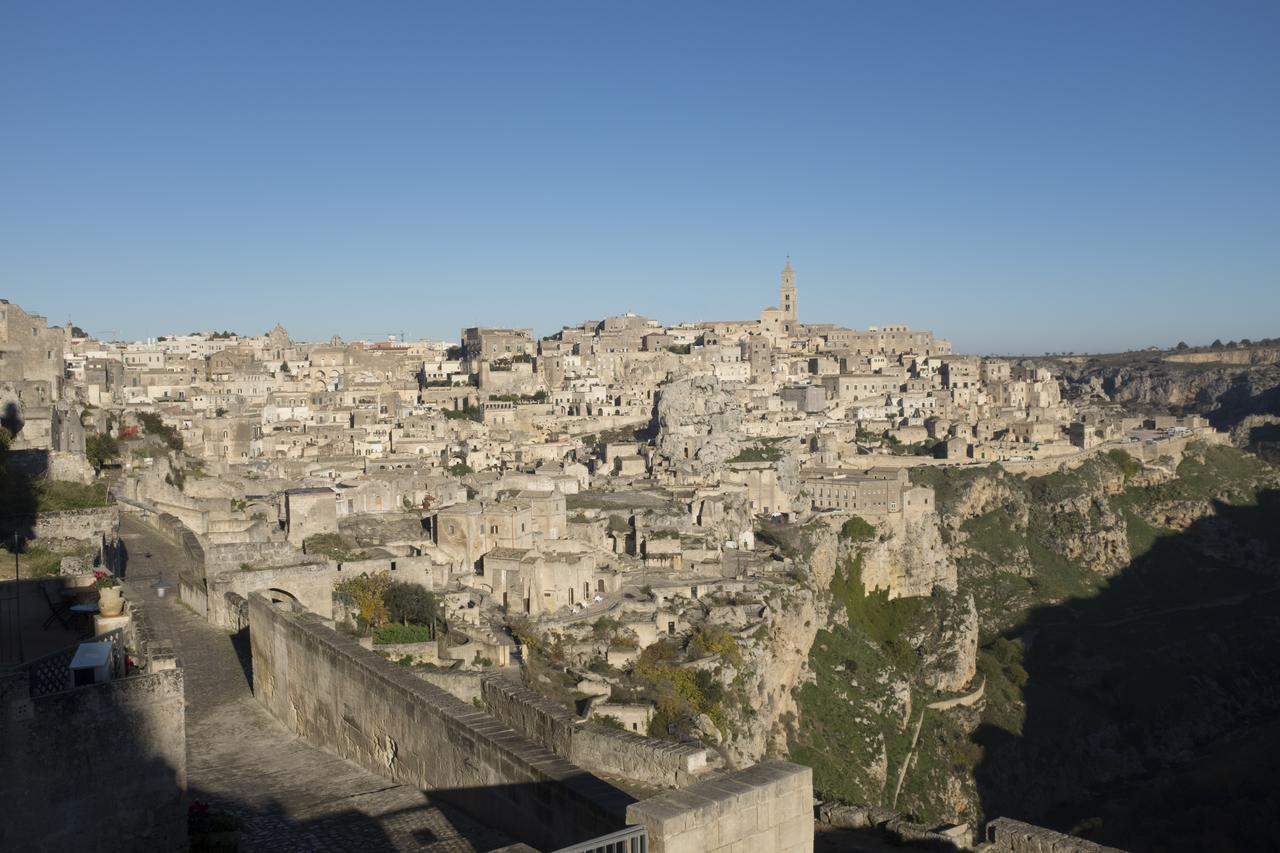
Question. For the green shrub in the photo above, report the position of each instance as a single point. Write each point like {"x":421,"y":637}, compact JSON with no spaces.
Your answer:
{"x":857,"y":529}
{"x":758,"y":453}
{"x":1129,"y":466}
{"x":394,"y":632}
{"x":608,"y":721}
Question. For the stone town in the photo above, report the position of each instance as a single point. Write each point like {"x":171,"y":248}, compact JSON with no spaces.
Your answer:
{"x":499,"y":576}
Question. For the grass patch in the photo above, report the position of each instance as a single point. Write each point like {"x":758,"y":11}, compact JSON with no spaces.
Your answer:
{"x":62,"y":496}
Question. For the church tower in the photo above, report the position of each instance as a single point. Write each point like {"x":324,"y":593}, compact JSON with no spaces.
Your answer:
{"x":788,"y":293}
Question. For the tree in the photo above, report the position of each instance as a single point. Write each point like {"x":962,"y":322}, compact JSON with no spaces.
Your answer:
{"x":100,"y":448}
{"x":155,"y":426}
{"x":1217,"y":344}
{"x":1181,"y":345}
{"x":412,"y":604}
{"x":366,"y":592}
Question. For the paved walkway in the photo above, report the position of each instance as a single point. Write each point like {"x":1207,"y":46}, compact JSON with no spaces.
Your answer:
{"x":290,"y":795}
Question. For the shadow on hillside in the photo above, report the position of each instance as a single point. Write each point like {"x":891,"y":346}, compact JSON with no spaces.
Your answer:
{"x":1152,"y":711}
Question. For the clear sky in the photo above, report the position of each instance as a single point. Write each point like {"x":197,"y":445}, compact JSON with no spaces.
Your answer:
{"x":1019,"y":177}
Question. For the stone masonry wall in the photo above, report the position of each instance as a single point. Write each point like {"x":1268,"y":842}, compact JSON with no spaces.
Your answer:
{"x":632,"y":756}
{"x":766,"y":808}
{"x":83,"y":525}
{"x":590,"y":746}
{"x":333,"y":693}
{"x":1013,"y":836}
{"x":541,"y":720}
{"x":125,"y":739}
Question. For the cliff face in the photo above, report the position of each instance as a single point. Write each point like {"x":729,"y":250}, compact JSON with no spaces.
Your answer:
{"x":909,"y":559}
{"x":1119,"y":610}
{"x":1237,"y":390}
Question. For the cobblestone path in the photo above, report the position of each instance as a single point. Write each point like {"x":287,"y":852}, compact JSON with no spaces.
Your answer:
{"x":289,"y":795}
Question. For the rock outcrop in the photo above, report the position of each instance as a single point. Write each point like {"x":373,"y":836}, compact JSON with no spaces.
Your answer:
{"x":910,"y":559}
{"x":699,"y":425}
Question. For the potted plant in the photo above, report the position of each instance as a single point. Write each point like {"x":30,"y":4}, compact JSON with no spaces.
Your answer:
{"x":110,"y":602}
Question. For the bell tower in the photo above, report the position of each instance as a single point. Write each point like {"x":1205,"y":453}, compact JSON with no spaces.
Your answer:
{"x":788,"y":293}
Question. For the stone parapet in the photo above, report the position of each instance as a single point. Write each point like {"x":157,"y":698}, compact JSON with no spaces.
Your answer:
{"x":766,"y":808}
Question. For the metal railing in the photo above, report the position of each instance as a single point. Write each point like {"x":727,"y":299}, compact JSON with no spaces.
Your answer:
{"x":633,"y":839}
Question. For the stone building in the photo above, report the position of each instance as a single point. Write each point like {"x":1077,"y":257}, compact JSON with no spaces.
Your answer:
{"x":492,"y":344}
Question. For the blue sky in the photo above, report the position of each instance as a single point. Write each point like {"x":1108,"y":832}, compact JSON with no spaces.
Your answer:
{"x":1019,"y":177}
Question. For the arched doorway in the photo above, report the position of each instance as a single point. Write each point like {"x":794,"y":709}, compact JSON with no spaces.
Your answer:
{"x":283,"y":596}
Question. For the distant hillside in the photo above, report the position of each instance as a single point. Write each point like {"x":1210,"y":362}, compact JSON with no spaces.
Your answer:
{"x":1236,"y":388}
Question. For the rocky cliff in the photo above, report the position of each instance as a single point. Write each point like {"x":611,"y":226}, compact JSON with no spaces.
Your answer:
{"x":1104,"y":634}
{"x":699,"y":425}
{"x":1237,"y":390}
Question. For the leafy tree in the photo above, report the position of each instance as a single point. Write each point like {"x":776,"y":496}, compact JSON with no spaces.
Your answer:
{"x":1217,"y":344}
{"x":366,"y":591}
{"x":155,"y":426}
{"x":1181,"y":345}
{"x":100,"y":448}
{"x":412,"y":604}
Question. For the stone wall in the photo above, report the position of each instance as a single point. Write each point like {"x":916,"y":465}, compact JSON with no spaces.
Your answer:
{"x":767,"y":807}
{"x":226,"y":556}
{"x":309,"y":579}
{"x":588,"y":745}
{"x":333,"y":693}
{"x":194,"y":593}
{"x":541,"y":720}
{"x":170,"y":528}
{"x":81,"y":525}
{"x":462,"y":684}
{"x":95,"y":768}
{"x":1013,"y":836}
{"x":632,"y":756}
{"x":311,"y":585}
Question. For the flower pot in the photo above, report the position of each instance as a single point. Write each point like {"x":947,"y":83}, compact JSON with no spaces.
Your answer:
{"x":110,"y":602}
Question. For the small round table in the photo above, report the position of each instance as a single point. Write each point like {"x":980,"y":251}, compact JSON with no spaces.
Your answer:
{"x":86,"y":612}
